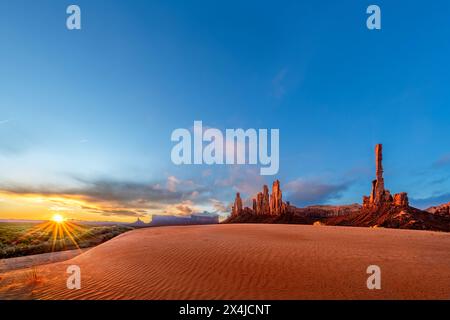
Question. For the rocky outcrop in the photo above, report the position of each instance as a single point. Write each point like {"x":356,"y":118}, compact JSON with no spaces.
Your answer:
{"x":442,"y":210}
{"x":327,"y":211}
{"x":401,"y":200}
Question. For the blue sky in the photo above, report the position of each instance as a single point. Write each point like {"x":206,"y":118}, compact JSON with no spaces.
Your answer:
{"x":96,"y":107}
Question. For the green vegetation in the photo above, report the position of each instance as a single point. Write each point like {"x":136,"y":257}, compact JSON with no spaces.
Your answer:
{"x":21,"y":239}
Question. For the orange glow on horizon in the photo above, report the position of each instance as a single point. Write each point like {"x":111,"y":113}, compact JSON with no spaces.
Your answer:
{"x":58,"y":208}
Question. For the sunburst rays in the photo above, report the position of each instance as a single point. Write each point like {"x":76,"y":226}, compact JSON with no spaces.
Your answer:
{"x":59,"y":232}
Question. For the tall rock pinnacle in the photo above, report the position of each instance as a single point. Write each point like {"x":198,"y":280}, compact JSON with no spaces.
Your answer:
{"x":237,"y":207}
{"x":379,"y":166}
{"x":276,"y":199}
{"x":379,"y":195}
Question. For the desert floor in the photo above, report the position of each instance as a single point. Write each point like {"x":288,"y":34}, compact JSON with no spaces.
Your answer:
{"x":247,"y":261}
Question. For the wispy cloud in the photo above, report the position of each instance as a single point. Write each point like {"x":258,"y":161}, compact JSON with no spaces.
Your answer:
{"x":243,"y":179}
{"x":443,"y":161}
{"x":219,"y":206}
{"x":5,"y":121}
{"x":433,"y":200}
{"x":307,"y":192}
{"x":278,"y":88}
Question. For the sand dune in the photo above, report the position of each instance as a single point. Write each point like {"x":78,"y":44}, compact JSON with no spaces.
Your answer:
{"x":38,"y":259}
{"x":248,"y":262}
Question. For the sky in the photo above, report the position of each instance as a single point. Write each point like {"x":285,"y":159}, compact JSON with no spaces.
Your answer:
{"x":86,"y":115}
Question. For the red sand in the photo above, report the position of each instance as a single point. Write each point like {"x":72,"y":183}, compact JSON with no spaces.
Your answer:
{"x":248,"y":262}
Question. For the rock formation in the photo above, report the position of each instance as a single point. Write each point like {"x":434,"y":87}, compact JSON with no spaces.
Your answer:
{"x":262,"y":204}
{"x":401,"y":199}
{"x":237,"y":207}
{"x":259,"y":203}
{"x":379,"y":196}
{"x":265,"y":201}
{"x":441,"y":210}
{"x":276,"y":199}
{"x":380,"y":209}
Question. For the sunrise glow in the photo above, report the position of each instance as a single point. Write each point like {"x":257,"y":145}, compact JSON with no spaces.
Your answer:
{"x":58,"y":218}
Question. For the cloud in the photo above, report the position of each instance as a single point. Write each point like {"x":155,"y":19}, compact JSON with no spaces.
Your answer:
{"x":219,"y":206}
{"x":119,"y":198}
{"x":439,"y":180}
{"x":123,"y":213}
{"x":434,"y":200}
{"x":172,"y":183}
{"x":243,"y":179}
{"x":184,"y":208}
{"x":303,"y":192}
{"x":442,"y":161}
{"x":278,"y":89}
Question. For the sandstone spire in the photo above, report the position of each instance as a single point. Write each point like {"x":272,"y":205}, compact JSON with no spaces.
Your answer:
{"x":237,"y":207}
{"x":276,"y":199}
{"x":259,"y":203}
{"x":379,"y":195}
{"x":265,"y":208}
{"x":379,"y":163}
{"x":379,"y":184}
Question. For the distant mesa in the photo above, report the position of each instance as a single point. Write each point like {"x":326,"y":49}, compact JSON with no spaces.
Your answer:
{"x":173,"y":220}
{"x":164,"y":220}
{"x":379,"y":209}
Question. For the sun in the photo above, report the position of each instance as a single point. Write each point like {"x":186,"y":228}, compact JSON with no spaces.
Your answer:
{"x":58,"y":218}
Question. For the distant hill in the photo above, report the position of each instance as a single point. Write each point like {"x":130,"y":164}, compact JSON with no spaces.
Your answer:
{"x":194,"y":219}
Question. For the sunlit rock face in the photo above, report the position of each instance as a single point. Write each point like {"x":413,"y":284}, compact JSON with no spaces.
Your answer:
{"x":379,"y":196}
{"x":237,"y":207}
{"x":263,"y":204}
{"x":401,"y":199}
{"x":441,"y":210}
{"x":276,"y":200}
